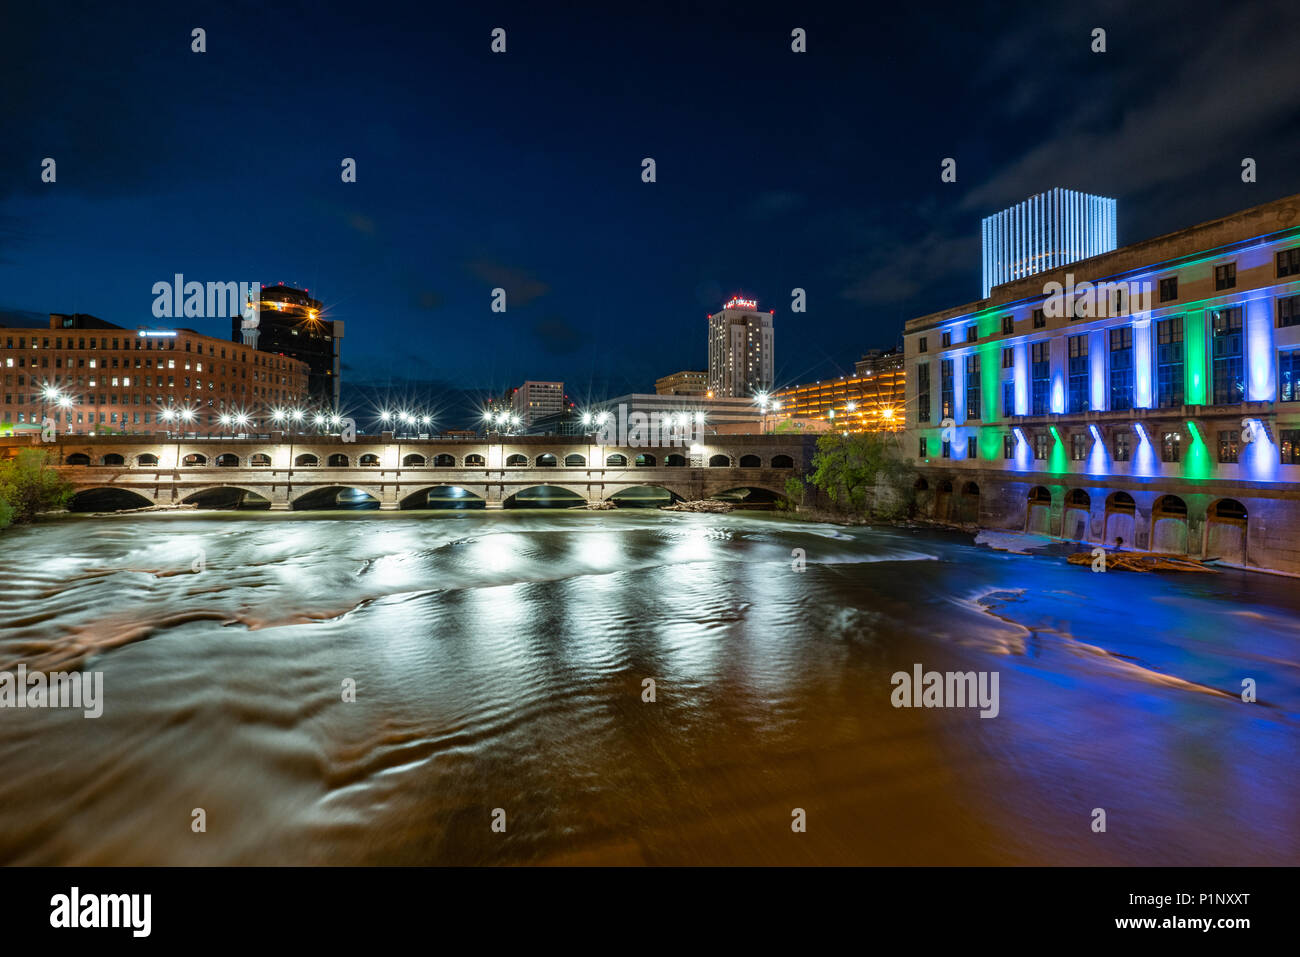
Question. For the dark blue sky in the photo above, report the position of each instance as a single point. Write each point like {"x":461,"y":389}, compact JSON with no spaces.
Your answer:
{"x":522,"y":170}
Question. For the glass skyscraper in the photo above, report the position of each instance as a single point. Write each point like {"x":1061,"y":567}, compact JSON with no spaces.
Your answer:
{"x":1045,"y":231}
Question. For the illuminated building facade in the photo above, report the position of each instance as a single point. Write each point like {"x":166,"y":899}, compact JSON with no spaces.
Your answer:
{"x":88,"y":375}
{"x":1051,"y":229}
{"x":1148,"y":394}
{"x":291,"y":323}
{"x":741,"y":350}
{"x":870,"y":401}
{"x":534,"y":400}
{"x":683,"y":383}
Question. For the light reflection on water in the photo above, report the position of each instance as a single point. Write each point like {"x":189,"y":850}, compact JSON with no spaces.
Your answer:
{"x":499,"y":659}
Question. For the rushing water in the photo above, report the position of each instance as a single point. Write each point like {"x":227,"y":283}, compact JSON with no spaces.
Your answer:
{"x":498,"y":661}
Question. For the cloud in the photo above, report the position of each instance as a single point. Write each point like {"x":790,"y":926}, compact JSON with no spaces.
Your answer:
{"x":557,"y":336}
{"x":521,"y":286}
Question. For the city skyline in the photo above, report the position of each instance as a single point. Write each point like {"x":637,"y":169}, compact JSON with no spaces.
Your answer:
{"x":897,"y":243}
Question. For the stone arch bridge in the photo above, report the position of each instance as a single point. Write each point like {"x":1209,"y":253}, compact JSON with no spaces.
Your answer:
{"x":285,"y":469}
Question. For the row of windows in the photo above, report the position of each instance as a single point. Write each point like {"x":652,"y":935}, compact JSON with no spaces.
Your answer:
{"x":1171,"y":443}
{"x":104,"y":363}
{"x":415,"y":460}
{"x":146,"y":344}
{"x":1225,"y":277}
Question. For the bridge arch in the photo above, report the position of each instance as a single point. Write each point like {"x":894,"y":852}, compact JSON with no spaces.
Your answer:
{"x":194,"y":460}
{"x":782,"y":462}
{"x":369,"y":461}
{"x":107,"y":499}
{"x":546,"y":495}
{"x":575,"y":460}
{"x":338,"y":460}
{"x":475,"y":461}
{"x":546,"y":460}
{"x":616,"y":460}
{"x":226,"y":496}
{"x":644,"y":496}
{"x":413,"y":460}
{"x":77,"y":458}
{"x":146,"y":458}
{"x":326,"y":498}
{"x":448,"y":496}
{"x":516,"y":461}
{"x":751,"y":462}
{"x":227,"y":460}
{"x":444,"y":461}
{"x":306,"y":460}
{"x":112,"y":458}
{"x":720,"y":461}
{"x":674,"y":460}
{"x":259,"y":460}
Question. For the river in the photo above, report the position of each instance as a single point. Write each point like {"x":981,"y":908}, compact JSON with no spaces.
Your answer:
{"x":499,"y":662}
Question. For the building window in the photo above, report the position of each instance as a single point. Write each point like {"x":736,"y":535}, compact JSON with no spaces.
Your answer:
{"x":1009,"y":446}
{"x":1008,"y":325}
{"x":1040,"y":371}
{"x":945,"y":388}
{"x":973,"y":387}
{"x":1170,"y":447}
{"x":1225,"y":276}
{"x":1288,"y":376}
{"x":923,"y":392}
{"x":1009,"y":397}
{"x":1288,"y":262}
{"x":947,"y":339}
{"x":922,"y":451}
{"x":1168,"y":288}
{"x":1121,"y":369}
{"x":1169,"y":363}
{"x":972,"y":449}
{"x":1228,"y":445}
{"x":1288,"y":311}
{"x":1123,"y":446}
{"x":1078,"y":446}
{"x":1227,"y":367}
{"x":947,"y":450}
{"x":922,"y":344}
{"x":1008,"y":358}
{"x":1040,"y":446}
{"x":1040,"y":320}
{"x":971,"y":333}
{"x":1290,"y":446}
{"x":1078,"y":351}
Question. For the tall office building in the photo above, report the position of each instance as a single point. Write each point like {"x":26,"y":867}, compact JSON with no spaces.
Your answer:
{"x":289,"y":323}
{"x":741,"y":350}
{"x":533,"y":400}
{"x":1049,"y":230}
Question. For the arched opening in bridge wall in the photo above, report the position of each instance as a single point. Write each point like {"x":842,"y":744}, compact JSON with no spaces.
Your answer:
{"x":782,"y":462}
{"x":338,"y":461}
{"x":444,"y":461}
{"x":517,"y":461}
{"x":749,"y":497}
{"x":645,"y":460}
{"x":1078,"y":515}
{"x":1225,"y":531}
{"x":751,"y":462}
{"x":674,"y":460}
{"x":335,"y":498}
{"x":194,"y":460}
{"x":369,"y":461}
{"x":146,"y":458}
{"x":544,"y":496}
{"x":1119,"y":520}
{"x":644,"y":496}
{"x":228,"y":497}
{"x":616,"y":461}
{"x":306,"y":461}
{"x":942,"y":500}
{"x":545,"y":461}
{"x":228,"y":460}
{"x":77,"y":458}
{"x":449,"y":497}
{"x":106,"y":500}
{"x":113,"y":459}
{"x":719,"y":461}
{"x":259,"y":460}
{"x":414,"y":460}
{"x":1039,"y":517}
{"x":1169,"y":525}
{"x":966,"y":507}
{"x":475,"y":461}
{"x":575,"y":461}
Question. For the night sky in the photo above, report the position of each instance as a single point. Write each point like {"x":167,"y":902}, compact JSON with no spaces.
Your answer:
{"x":476,"y":170}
